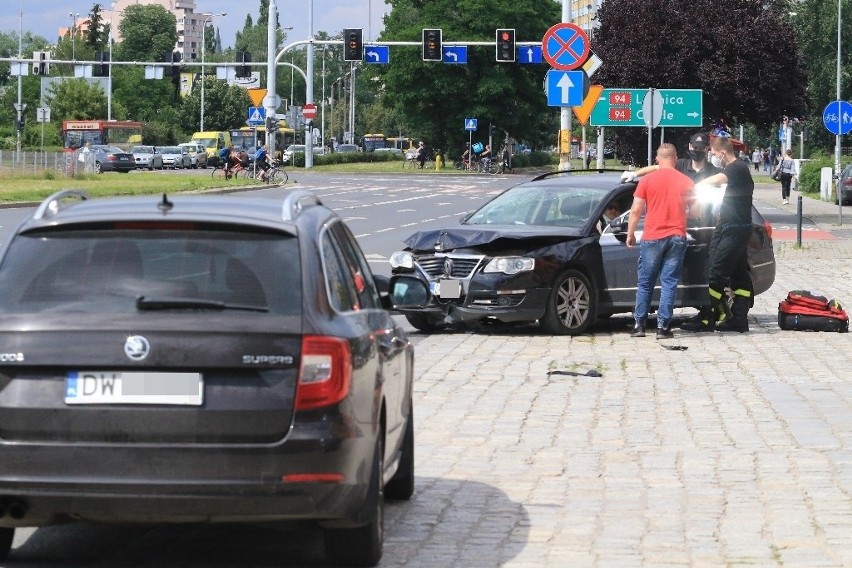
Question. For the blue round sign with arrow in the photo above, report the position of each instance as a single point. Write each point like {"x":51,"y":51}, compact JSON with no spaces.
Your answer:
{"x":837,"y":117}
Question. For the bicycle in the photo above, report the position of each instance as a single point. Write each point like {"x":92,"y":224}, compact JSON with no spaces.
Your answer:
{"x":488,"y":166}
{"x":414,"y":163}
{"x":236,"y":171}
{"x":275,"y":175}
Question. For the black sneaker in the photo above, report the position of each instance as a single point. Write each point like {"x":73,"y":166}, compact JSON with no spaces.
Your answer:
{"x":638,"y":331}
{"x":664,"y":333}
{"x":698,"y":324}
{"x":733,"y":324}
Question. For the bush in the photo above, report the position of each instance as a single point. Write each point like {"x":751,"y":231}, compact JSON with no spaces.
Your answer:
{"x":809,"y":176}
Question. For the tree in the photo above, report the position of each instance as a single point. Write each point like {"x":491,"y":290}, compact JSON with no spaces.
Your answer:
{"x":756,"y":79}
{"x":97,"y":34}
{"x":816,"y":24}
{"x":76,"y":99}
{"x":149,"y":33}
{"x":432,"y":100}
{"x":225,"y":106}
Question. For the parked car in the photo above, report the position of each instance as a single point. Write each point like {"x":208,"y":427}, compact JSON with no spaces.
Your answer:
{"x":197,"y":154}
{"x":540,"y":251}
{"x":147,"y":157}
{"x":175,"y":156}
{"x":287,"y":156}
{"x":111,"y":159}
{"x":347,"y":148}
{"x":200,"y":359}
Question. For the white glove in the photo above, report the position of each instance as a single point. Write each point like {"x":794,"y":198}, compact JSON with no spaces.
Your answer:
{"x":628,"y":176}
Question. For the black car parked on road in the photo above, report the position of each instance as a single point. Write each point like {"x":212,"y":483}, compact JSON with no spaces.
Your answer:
{"x":200,"y":359}
{"x":543,"y":251}
{"x":111,"y":159}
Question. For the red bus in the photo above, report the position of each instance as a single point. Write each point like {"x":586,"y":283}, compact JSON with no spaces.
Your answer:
{"x":124,"y":134}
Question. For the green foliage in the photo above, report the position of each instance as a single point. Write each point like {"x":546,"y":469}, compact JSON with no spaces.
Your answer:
{"x":96,"y":35}
{"x":76,"y":99}
{"x":224,"y":107}
{"x":691,"y":44}
{"x":149,"y":33}
{"x":809,"y":176}
{"x":431,"y":100}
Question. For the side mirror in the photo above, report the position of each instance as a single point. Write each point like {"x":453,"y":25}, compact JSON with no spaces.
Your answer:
{"x":618,"y":225}
{"x":408,"y":292}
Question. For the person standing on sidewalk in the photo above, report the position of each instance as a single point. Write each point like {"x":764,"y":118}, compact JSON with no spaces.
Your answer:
{"x":729,"y":247}
{"x":664,"y":195}
{"x":786,"y":167}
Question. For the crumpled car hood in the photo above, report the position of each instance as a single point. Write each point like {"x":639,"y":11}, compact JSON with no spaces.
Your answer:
{"x":477,"y":235}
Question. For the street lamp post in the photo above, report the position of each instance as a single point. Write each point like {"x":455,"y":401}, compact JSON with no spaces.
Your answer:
{"x":20,"y":107}
{"x":73,"y":17}
{"x":109,"y":78}
{"x":207,"y":17}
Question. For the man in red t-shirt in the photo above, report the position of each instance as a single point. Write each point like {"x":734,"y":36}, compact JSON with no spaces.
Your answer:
{"x":665,"y":196}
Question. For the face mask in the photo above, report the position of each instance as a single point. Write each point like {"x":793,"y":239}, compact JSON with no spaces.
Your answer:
{"x":697,"y":155}
{"x":716,"y":161}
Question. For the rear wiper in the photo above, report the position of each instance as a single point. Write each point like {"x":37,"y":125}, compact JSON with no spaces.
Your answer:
{"x":166,"y":303}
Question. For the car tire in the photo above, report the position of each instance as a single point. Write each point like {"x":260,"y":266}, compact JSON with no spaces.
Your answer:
{"x":572,"y":305}
{"x":421,"y":322}
{"x":98,"y":169}
{"x":401,"y":485}
{"x":362,"y":546}
{"x":7,"y":535}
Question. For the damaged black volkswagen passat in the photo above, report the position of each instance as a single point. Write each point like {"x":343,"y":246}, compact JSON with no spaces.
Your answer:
{"x":200,"y":359}
{"x":548,"y":250}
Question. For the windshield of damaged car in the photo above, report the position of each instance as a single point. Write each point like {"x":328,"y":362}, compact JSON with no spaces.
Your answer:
{"x":108,"y":270}
{"x":543,"y":205}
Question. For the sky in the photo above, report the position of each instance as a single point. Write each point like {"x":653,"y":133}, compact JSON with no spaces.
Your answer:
{"x":45,"y":17}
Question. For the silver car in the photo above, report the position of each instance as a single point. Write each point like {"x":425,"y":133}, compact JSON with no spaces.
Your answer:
{"x":147,"y":157}
{"x":175,"y":156}
{"x":197,"y":154}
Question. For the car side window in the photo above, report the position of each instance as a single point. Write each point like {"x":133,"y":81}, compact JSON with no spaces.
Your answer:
{"x":361,"y":274}
{"x":338,"y":278}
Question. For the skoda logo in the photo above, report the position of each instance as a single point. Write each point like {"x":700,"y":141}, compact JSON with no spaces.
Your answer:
{"x":448,"y":266}
{"x":136,"y":347}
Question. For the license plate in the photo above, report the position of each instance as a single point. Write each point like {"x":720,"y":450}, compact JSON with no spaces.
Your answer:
{"x":123,"y":387}
{"x":449,"y":289}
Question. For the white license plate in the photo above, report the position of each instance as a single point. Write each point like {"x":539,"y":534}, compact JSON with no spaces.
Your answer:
{"x":449,"y":289}
{"x":123,"y":387}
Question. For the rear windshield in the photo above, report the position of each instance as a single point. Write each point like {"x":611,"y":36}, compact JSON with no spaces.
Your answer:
{"x":107,"y":271}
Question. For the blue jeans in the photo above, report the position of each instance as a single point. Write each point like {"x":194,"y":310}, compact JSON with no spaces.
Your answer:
{"x":663,"y":258}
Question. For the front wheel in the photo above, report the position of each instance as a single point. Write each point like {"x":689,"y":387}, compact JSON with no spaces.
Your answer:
{"x":421,"y":322}
{"x":572,"y":304}
{"x":277,"y":177}
{"x":7,"y":535}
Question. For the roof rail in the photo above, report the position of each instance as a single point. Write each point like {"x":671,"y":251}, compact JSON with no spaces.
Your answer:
{"x":59,"y":200}
{"x":297,"y":200}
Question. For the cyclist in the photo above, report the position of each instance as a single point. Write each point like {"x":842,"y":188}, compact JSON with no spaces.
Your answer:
{"x":467,"y":157}
{"x":485,"y":156}
{"x":225,"y":157}
{"x":421,"y":154}
{"x":261,"y":161}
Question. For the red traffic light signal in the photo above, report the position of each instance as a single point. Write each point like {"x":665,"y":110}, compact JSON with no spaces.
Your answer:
{"x":505,"y":42}
{"x":432,"y":45}
{"x":353,"y":44}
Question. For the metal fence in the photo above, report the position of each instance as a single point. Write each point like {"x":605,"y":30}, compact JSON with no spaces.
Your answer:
{"x":34,"y":162}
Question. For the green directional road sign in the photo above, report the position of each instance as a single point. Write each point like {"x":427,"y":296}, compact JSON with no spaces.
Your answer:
{"x":623,"y":107}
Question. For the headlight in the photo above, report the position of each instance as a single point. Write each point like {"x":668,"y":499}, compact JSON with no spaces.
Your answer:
{"x":510,"y":264}
{"x":402,"y":259}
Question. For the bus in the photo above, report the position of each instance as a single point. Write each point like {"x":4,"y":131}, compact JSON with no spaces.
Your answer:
{"x":400,"y":142}
{"x":124,"y":134}
{"x":371,"y":142}
{"x":244,"y":138}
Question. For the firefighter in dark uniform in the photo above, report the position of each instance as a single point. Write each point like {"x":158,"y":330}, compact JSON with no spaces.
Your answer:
{"x":729,"y":247}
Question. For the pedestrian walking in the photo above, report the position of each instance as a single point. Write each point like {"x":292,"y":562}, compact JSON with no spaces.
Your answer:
{"x":786,"y":167}
{"x":729,"y":247}
{"x":665,"y":196}
{"x":756,"y":159}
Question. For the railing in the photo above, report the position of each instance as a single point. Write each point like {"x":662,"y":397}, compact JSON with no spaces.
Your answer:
{"x":37,"y":162}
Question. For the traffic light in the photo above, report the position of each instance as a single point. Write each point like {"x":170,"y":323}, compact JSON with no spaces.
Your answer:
{"x":271,"y":123}
{"x":353,"y":44}
{"x":505,"y":40}
{"x":243,"y":70}
{"x":40,"y":64}
{"x":19,"y":124}
{"x":492,"y":129}
{"x":101,"y":67}
{"x":176,"y":57}
{"x":432,"y":45}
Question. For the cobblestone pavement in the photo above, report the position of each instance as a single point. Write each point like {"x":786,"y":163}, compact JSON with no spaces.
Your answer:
{"x":736,"y":451}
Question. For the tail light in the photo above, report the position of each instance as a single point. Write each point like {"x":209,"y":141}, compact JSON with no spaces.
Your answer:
{"x":768,"y":227}
{"x":325,"y":373}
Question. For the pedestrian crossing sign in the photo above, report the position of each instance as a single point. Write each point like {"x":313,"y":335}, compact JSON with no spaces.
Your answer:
{"x":256,"y":116}
{"x":470,"y":124}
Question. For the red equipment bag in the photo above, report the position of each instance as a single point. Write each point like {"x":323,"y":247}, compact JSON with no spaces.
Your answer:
{"x":805,"y":311}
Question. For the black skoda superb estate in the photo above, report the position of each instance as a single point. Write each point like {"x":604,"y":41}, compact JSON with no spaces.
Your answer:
{"x":200,"y":359}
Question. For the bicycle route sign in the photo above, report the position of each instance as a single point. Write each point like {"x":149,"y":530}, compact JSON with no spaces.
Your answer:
{"x":565,"y":46}
{"x":837,"y":117}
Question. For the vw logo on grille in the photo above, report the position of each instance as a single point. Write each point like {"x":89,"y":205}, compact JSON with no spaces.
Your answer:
{"x":136,"y":347}
{"x":448,"y":266}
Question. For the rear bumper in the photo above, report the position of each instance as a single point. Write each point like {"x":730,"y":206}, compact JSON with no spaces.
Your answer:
{"x":43,"y":484}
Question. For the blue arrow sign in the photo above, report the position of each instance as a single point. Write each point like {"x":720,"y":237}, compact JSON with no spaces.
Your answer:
{"x":256,"y":115}
{"x":470,"y":124}
{"x":455,"y":54}
{"x":566,"y":88}
{"x":837,"y":117}
{"x":377,"y":54}
{"x":529,"y":54}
